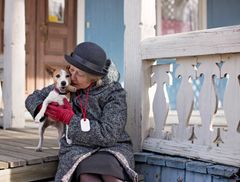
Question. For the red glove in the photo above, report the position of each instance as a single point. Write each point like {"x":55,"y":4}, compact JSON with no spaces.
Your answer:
{"x":63,"y":113}
{"x":40,"y":105}
{"x":39,"y":108}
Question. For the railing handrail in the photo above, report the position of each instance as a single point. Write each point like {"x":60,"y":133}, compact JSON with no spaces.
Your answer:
{"x":204,"y":42}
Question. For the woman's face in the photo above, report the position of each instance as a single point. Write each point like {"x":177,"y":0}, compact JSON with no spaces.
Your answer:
{"x":79,"y":78}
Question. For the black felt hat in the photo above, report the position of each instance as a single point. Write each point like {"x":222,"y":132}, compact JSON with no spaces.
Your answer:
{"x":89,"y":57}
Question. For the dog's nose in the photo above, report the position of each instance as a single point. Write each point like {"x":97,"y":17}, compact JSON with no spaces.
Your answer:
{"x":63,"y":83}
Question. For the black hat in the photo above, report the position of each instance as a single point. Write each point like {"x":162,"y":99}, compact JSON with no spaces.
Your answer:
{"x":89,"y":57}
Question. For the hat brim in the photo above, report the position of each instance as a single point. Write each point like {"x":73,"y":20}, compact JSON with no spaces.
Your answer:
{"x":79,"y":64}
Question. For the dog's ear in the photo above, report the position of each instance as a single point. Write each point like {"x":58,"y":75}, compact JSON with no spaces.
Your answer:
{"x":50,"y":70}
{"x":67,"y":67}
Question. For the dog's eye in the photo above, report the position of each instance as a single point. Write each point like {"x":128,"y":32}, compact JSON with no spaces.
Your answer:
{"x":67,"y":76}
{"x":57,"y":76}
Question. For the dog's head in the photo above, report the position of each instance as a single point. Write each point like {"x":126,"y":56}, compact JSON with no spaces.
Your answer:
{"x":61,"y":77}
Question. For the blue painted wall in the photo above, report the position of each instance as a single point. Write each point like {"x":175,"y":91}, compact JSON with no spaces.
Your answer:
{"x":106,"y":28}
{"x":223,"y":13}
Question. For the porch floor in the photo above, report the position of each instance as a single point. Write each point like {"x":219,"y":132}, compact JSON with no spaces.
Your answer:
{"x":18,"y":159}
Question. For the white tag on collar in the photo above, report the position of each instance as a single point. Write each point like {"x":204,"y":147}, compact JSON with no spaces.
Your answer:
{"x":85,"y":125}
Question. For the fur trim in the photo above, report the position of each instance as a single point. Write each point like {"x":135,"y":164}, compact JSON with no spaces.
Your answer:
{"x":113,"y":74}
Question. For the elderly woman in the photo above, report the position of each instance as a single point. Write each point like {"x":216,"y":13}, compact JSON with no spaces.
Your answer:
{"x":101,"y":150}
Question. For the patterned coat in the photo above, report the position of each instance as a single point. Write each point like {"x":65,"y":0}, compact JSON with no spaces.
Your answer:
{"x":107,"y":112}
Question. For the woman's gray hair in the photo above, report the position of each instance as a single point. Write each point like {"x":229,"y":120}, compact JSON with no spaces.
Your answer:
{"x":113,"y":75}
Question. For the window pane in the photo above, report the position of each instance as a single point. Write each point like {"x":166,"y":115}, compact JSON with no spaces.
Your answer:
{"x":179,"y":16}
{"x":56,"y":11}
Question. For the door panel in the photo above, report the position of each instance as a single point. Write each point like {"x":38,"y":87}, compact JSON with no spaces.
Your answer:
{"x":54,"y":37}
{"x":1,"y":25}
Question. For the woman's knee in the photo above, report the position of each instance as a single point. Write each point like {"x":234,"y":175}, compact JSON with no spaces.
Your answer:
{"x":107,"y":178}
{"x":90,"y":177}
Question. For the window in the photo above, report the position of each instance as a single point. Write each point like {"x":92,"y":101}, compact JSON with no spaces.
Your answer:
{"x":56,"y":11}
{"x":178,"y":16}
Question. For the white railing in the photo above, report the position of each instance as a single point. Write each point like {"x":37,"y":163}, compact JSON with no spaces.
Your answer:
{"x":211,"y":132}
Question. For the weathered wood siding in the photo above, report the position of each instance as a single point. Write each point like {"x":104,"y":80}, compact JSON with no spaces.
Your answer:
{"x":162,"y":168}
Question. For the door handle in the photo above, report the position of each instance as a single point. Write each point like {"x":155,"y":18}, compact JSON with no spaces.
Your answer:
{"x":44,"y":32}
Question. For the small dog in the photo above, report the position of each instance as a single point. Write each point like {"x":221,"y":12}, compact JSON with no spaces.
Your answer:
{"x":62,"y":83}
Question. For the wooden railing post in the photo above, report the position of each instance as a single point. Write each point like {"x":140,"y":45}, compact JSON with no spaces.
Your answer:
{"x":14,"y":64}
{"x":139,"y":19}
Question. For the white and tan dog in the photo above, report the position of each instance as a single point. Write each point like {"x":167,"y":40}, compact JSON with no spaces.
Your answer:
{"x":62,"y":83}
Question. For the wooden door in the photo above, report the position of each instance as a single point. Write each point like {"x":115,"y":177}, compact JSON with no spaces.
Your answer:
{"x":30,"y":18}
{"x":50,"y":35}
{"x":1,"y":25}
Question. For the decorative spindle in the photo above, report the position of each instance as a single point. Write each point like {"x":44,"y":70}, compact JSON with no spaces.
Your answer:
{"x":167,"y":135}
{"x":193,"y":136}
{"x":218,"y":139}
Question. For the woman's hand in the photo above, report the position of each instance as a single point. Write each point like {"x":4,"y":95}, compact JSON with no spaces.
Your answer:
{"x":62,"y":113}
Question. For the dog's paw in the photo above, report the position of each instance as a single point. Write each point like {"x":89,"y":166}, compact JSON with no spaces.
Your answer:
{"x":39,"y":118}
{"x":69,"y":141}
{"x":42,"y":119}
{"x":38,"y":149}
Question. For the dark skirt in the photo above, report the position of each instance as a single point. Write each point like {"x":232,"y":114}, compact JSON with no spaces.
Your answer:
{"x":102,"y":163}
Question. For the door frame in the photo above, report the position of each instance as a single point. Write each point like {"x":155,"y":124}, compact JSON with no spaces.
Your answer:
{"x":80,"y":21}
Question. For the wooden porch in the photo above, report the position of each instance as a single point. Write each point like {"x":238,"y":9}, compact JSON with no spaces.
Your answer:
{"x":209,"y":132}
{"x":18,"y":159}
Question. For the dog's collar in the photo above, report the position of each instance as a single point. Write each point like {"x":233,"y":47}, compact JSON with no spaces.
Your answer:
{"x":58,"y":91}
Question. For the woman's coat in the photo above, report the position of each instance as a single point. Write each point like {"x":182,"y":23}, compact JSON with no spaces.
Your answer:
{"x":107,"y":111}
